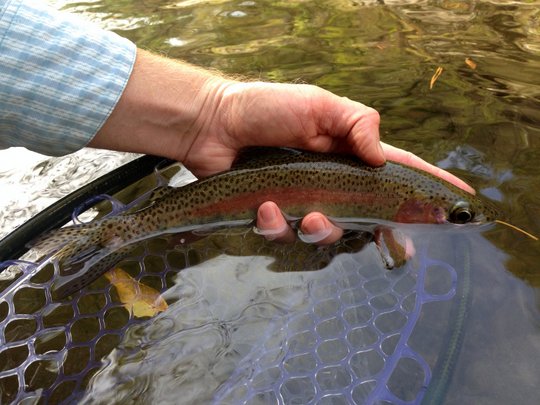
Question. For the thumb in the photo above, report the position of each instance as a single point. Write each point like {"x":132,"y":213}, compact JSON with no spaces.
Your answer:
{"x":359,"y":124}
{"x":365,"y":139}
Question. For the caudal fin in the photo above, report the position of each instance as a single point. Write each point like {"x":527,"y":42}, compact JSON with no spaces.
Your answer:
{"x":52,"y":242}
{"x":77,"y":274}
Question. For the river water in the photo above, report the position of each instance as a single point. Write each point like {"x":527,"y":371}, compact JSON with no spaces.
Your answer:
{"x":480,"y":119}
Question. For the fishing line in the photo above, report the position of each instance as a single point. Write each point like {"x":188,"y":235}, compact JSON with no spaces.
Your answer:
{"x":517,"y":229}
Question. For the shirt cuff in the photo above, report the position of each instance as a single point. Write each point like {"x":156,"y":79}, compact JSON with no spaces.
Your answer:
{"x":60,"y":77}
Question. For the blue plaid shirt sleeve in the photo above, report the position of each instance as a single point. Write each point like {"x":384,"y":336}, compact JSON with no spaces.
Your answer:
{"x":60,"y":77}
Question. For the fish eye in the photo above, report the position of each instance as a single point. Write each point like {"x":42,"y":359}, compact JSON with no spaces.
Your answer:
{"x":461,"y":213}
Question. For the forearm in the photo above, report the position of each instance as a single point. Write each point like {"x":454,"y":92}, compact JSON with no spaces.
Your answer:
{"x":60,"y":77}
{"x":164,"y":106}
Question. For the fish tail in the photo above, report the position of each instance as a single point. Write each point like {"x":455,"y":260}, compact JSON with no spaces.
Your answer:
{"x":53,"y":242}
{"x":84,"y":252}
{"x":89,"y":271}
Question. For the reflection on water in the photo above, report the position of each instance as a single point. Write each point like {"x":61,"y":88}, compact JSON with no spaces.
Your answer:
{"x":222,"y":335}
{"x":30,"y":182}
{"x":481,"y":121}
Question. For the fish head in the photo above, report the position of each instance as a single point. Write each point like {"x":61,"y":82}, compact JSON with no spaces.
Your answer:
{"x":448,"y":207}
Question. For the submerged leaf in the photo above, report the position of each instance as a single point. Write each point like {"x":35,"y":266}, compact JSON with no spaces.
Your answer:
{"x":138,"y":299}
{"x":435,"y":76}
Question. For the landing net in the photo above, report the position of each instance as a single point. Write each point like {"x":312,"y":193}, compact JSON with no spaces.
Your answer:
{"x":360,"y":335}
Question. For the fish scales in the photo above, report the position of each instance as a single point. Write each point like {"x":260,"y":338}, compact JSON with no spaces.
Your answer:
{"x":299,"y":182}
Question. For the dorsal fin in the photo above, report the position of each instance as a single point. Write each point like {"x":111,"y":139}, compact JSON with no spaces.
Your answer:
{"x":155,"y":195}
{"x":258,"y":156}
{"x":251,"y":155}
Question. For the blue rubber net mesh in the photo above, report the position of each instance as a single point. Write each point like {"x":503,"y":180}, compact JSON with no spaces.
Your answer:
{"x":349,"y":346}
{"x":350,"y":341}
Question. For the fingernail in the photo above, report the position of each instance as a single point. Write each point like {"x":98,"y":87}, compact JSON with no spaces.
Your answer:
{"x":317,"y":225}
{"x":317,"y":228}
{"x":269,"y":213}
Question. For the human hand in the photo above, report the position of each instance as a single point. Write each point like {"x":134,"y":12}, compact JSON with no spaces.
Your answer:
{"x":291,"y":115}
{"x":315,"y":227}
{"x":183,"y":112}
{"x":274,"y":114}
{"x":273,"y":225}
{"x":301,"y":116}
{"x":186,"y":113}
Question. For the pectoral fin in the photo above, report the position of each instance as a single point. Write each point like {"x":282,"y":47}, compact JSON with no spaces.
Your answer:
{"x":394,"y":246}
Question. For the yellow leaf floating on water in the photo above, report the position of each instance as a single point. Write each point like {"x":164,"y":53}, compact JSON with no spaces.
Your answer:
{"x":138,"y":299}
{"x":435,"y":76}
{"x":470,"y":63}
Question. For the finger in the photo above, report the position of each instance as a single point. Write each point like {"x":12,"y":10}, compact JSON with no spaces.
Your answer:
{"x":410,"y":159}
{"x":316,"y":228}
{"x":360,"y":125}
{"x":272,"y":225}
{"x":410,"y":249}
{"x":365,"y":139}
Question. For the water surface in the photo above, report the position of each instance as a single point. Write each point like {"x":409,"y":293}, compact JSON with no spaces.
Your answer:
{"x":480,"y":120}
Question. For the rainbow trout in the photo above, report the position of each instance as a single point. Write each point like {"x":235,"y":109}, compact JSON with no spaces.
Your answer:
{"x":340,"y":186}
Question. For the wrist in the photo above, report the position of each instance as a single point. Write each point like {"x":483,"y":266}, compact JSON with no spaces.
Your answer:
{"x":163,"y":108}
